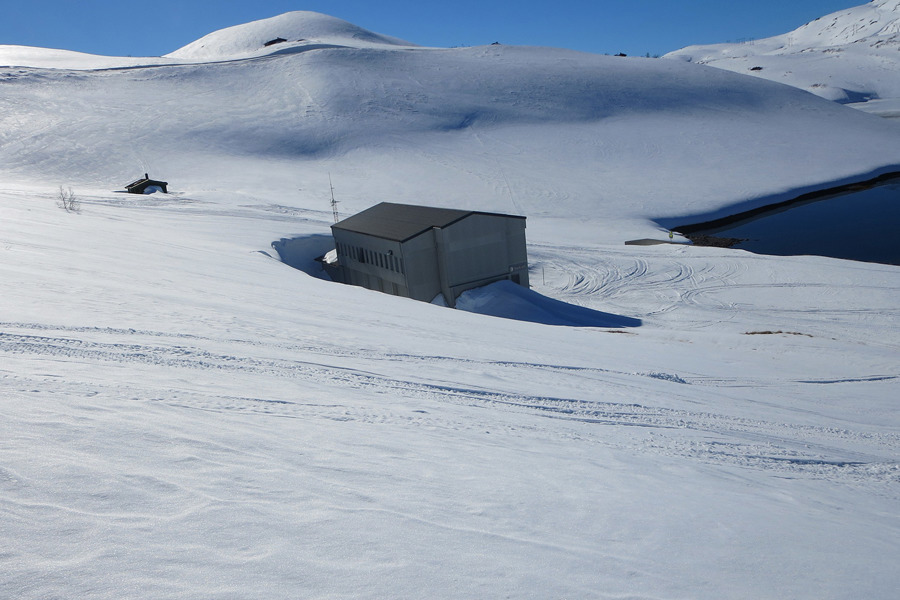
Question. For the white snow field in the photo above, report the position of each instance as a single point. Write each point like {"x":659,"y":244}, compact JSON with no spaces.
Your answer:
{"x":851,"y":56}
{"x":183,"y":415}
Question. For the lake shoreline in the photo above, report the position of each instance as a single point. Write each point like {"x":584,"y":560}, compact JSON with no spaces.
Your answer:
{"x":700,"y":233}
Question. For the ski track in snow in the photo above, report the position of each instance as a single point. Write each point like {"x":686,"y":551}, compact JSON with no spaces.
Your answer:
{"x":615,"y":280}
{"x":589,"y":279}
{"x":788,"y":449}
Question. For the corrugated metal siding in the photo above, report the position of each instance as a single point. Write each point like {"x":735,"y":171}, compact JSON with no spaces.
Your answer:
{"x":370,"y":262}
{"x":468,"y":250}
{"x":423,"y":276}
{"x":484,"y":248}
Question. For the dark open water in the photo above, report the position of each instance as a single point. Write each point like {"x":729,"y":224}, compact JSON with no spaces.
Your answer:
{"x":862,"y":226}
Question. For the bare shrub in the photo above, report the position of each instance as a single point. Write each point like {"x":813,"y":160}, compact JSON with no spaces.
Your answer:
{"x":67,"y":200}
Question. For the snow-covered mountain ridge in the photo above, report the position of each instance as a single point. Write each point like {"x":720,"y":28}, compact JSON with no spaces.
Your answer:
{"x":849,"y":56}
{"x":874,"y":24}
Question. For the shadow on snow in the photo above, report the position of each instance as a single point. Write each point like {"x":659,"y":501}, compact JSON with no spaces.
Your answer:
{"x":510,"y":301}
{"x":503,"y":299}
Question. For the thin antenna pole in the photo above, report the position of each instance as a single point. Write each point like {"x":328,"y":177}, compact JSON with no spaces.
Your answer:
{"x":334,"y":203}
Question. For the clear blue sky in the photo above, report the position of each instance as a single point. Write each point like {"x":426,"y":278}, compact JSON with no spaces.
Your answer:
{"x":636,"y":27}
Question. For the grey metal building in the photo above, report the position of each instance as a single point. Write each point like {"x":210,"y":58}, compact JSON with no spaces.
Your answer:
{"x":420,"y":251}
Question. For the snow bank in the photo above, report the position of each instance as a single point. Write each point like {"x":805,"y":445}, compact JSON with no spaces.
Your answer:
{"x":301,"y":253}
{"x":510,"y":301}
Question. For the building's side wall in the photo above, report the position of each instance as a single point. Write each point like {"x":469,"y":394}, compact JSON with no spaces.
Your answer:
{"x":371,"y":262}
{"x":474,"y":251}
{"x":518,"y":252}
{"x":420,"y":259}
{"x":481,"y":249}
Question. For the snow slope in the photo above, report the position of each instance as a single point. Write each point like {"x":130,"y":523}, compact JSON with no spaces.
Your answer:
{"x":850,"y":56}
{"x":182,"y":415}
{"x":298,"y":29}
{"x":534,"y":131}
{"x":47,"y":58}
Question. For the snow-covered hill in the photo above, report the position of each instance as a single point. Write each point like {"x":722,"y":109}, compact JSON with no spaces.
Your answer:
{"x":291,"y":32}
{"x":850,"y":56}
{"x":513,"y":129}
{"x":295,"y":30}
{"x":182,"y":415}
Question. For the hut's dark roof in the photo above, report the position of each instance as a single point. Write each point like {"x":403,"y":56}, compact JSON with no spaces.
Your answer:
{"x":145,"y":182}
{"x":135,"y":183}
{"x":401,"y":222}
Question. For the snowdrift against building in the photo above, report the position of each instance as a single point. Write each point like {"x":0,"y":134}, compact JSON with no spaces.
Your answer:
{"x":510,"y":301}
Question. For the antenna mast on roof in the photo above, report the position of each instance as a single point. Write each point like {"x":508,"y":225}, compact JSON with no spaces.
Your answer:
{"x":334,"y":203}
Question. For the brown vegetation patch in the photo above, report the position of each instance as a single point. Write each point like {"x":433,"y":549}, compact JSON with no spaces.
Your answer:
{"x":776,"y":333}
{"x":701,"y":239}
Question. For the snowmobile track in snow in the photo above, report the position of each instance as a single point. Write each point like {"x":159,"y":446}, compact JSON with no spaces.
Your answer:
{"x":702,"y":435}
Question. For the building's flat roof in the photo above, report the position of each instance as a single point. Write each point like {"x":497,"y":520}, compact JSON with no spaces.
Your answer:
{"x":401,"y":222}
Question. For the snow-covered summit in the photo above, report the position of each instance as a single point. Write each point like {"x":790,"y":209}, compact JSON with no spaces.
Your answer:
{"x":846,"y":56}
{"x":860,"y":24}
{"x":306,"y":27}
